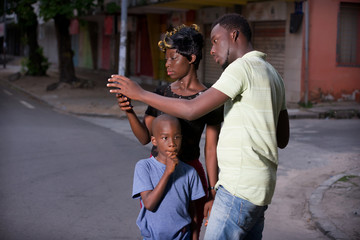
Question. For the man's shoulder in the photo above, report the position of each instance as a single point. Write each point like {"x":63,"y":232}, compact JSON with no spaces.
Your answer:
{"x":246,"y":62}
{"x":254,"y":54}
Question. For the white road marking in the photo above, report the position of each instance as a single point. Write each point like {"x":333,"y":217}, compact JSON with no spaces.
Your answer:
{"x":26,"y":104}
{"x":7,"y":92}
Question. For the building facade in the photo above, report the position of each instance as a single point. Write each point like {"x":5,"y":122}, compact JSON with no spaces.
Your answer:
{"x":314,"y":44}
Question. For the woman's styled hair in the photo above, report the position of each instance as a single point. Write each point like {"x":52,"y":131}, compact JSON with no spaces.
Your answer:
{"x":234,"y":21}
{"x":187,"y":40}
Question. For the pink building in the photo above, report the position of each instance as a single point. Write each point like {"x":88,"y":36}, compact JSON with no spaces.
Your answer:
{"x":334,"y":50}
{"x":314,"y":44}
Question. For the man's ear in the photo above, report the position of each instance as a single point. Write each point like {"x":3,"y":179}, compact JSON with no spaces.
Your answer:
{"x":153,"y":141}
{"x":193,"y":58}
{"x":235,"y":35}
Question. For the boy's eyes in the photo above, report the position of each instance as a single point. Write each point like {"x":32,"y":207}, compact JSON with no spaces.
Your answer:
{"x":176,"y":137}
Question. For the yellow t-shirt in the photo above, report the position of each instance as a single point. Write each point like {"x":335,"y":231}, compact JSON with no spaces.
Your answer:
{"x":247,"y":148}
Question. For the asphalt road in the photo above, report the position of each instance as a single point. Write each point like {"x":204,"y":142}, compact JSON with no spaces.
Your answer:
{"x":62,"y":177}
{"x":67,"y":177}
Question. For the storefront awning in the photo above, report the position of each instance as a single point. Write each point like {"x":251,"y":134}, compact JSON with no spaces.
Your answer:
{"x":192,"y":4}
{"x":165,"y":6}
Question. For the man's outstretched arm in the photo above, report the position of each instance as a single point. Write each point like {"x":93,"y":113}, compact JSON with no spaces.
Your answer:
{"x":181,"y":108}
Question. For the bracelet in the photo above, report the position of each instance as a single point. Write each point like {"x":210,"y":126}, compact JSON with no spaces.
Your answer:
{"x":211,"y":188}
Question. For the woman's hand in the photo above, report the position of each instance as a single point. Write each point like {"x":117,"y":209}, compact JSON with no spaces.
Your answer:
{"x":124,"y":102}
{"x":207,"y":210}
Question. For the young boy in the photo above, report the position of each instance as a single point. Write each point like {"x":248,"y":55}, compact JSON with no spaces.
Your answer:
{"x":167,"y":187}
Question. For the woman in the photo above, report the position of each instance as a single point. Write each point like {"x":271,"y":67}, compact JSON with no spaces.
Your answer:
{"x":183,"y":52}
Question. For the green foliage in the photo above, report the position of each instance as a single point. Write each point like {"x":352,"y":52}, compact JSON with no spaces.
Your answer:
{"x":24,"y":10}
{"x":346,"y":178}
{"x":34,"y":68}
{"x":112,"y":8}
{"x":306,"y":105}
{"x":51,"y":8}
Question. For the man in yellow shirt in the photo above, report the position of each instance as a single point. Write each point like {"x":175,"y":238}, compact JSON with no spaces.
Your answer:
{"x":255,"y":123}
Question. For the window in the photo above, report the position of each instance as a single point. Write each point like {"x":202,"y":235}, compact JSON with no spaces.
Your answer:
{"x":348,"y":36}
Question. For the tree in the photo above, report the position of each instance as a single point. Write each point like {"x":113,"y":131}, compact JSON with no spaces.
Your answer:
{"x":62,"y":11}
{"x":36,"y":64}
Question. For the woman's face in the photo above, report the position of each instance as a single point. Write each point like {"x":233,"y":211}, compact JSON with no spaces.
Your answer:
{"x":177,"y":66}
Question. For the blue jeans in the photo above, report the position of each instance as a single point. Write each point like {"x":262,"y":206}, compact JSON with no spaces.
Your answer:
{"x":234,"y":218}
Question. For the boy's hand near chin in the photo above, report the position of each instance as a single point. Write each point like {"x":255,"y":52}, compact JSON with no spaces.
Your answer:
{"x":171,"y":162}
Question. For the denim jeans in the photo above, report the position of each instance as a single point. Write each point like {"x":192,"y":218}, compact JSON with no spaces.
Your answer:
{"x":234,"y":218}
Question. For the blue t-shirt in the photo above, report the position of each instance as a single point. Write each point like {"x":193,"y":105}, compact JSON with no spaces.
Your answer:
{"x":172,"y":215}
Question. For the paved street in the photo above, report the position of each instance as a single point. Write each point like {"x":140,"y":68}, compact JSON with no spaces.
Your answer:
{"x":62,"y":177}
{"x":67,"y":177}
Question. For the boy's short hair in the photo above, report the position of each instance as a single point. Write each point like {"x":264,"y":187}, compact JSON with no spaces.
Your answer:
{"x":163,"y":117}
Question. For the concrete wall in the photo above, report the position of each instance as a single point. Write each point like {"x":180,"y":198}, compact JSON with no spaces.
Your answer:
{"x":47,"y":40}
{"x":327,"y":80}
{"x":293,"y":59}
{"x":279,"y":10}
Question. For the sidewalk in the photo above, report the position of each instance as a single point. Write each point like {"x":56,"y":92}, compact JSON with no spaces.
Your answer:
{"x":96,"y":99}
{"x":342,"y":191}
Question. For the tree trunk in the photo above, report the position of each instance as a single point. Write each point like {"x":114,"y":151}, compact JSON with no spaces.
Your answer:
{"x":29,"y":25}
{"x":66,"y":64}
{"x":31,"y":33}
{"x":36,"y":58}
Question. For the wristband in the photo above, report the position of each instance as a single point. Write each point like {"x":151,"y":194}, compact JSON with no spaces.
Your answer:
{"x":211,"y":188}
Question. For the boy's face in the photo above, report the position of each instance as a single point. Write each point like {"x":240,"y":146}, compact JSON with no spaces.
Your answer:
{"x":167,"y":137}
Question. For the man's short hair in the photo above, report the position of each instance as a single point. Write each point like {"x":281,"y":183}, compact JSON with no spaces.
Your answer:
{"x":234,"y":21}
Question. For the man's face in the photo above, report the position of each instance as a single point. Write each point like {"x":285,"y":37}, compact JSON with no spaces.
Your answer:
{"x":220,"y":45}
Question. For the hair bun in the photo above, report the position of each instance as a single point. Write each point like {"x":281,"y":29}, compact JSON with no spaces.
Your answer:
{"x":165,"y":43}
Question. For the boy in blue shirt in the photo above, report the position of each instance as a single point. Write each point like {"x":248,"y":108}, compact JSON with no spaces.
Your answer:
{"x":167,"y":187}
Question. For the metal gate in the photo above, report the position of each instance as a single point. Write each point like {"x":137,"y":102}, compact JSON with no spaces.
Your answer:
{"x":269,"y":38}
{"x":212,"y":70}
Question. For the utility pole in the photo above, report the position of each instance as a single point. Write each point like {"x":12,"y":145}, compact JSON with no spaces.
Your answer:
{"x":123,"y":37}
{"x":306,"y":97}
{"x":4,"y":41}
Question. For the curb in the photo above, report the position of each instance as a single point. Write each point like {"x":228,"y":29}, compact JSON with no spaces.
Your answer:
{"x":7,"y":83}
{"x":319,"y":217}
{"x":299,"y":114}
{"x":296,"y":113}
